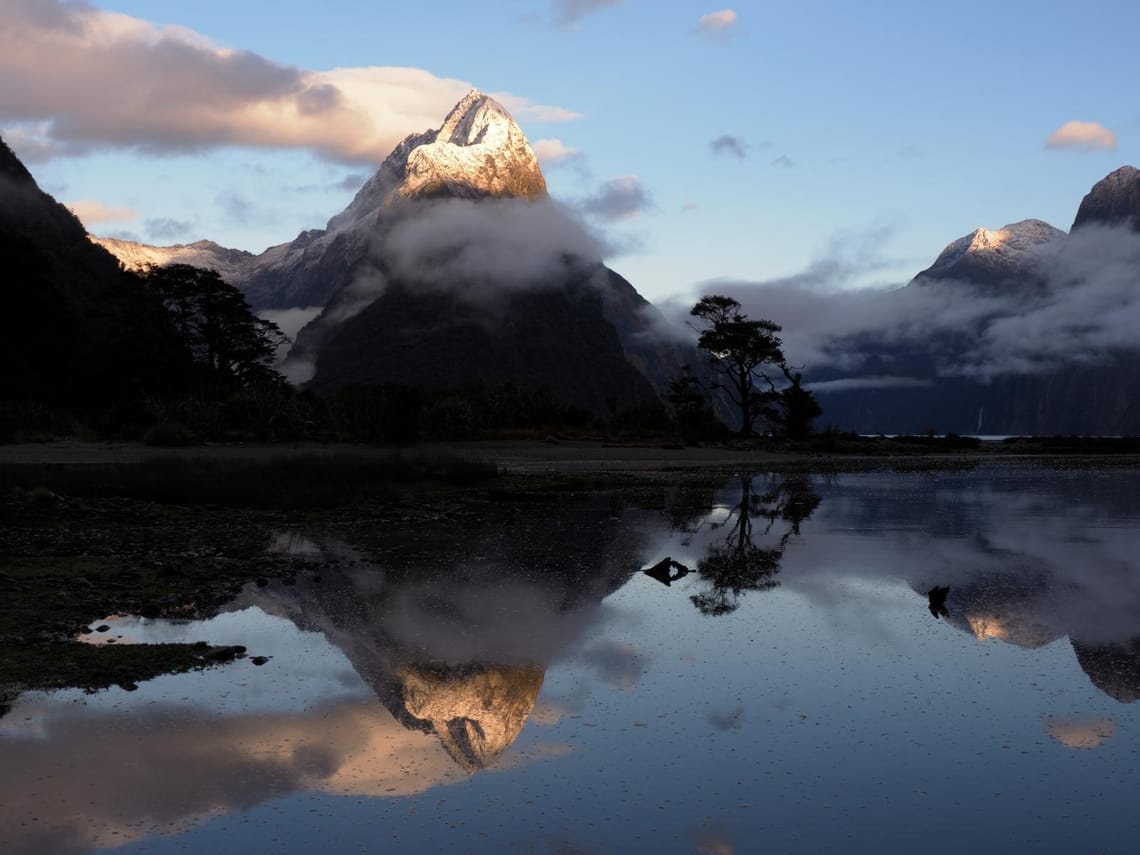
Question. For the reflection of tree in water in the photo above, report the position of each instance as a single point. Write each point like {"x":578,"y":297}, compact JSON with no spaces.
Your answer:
{"x":738,"y":564}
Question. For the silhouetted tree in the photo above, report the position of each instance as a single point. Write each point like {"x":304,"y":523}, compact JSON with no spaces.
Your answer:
{"x":740,"y":350}
{"x":231,"y":347}
{"x":690,"y":407}
{"x":798,"y":408}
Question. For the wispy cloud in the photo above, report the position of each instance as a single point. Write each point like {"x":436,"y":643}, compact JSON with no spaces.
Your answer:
{"x":236,"y":207}
{"x":784,"y":162}
{"x":622,"y":198}
{"x":175,"y":91}
{"x":167,"y":228}
{"x":92,"y":213}
{"x":1086,"y":136}
{"x":728,"y":144}
{"x":567,"y":13}
{"x":717,"y":25}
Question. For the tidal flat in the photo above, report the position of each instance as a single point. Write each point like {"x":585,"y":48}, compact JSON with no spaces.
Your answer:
{"x":545,"y":648}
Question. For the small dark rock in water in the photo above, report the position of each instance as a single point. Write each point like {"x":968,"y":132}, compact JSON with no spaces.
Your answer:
{"x":150,"y":611}
{"x":262,"y":582}
{"x":225,"y":654}
{"x":937,"y":596}
{"x":85,"y":630}
{"x":129,"y":686}
{"x":110,"y":641}
{"x":102,"y":627}
{"x":259,"y":660}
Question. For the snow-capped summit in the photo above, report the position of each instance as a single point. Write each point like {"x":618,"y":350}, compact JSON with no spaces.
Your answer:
{"x":990,"y":257}
{"x":478,"y":152}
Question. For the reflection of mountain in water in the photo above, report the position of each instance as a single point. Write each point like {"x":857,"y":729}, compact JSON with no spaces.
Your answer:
{"x":1019,"y":609}
{"x":1005,"y":606}
{"x":1030,"y":557}
{"x":1113,"y":668}
{"x":454,"y":632}
{"x":476,"y":712}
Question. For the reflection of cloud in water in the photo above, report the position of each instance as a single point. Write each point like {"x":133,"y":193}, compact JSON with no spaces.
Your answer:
{"x":172,"y":767}
{"x":1080,"y":733}
{"x":715,"y":844}
{"x":614,"y":663}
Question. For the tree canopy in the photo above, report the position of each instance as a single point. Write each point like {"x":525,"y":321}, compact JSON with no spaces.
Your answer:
{"x":742,"y":351}
{"x":748,"y":355}
{"x":230,"y":346}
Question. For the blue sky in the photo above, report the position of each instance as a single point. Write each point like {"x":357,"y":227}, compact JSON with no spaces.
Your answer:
{"x":876,"y":132}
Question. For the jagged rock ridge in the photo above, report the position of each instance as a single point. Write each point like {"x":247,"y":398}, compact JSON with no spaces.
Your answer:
{"x":232,"y":264}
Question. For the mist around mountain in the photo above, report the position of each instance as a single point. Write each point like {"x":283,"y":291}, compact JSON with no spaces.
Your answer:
{"x":1018,"y":330}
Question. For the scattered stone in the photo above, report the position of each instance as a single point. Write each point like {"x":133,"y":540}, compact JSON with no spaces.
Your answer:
{"x":259,"y":660}
{"x":102,"y":627}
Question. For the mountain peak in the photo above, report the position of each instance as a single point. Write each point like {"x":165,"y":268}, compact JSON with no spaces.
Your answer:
{"x":987,"y":255}
{"x":478,"y":152}
{"x":1112,"y":201}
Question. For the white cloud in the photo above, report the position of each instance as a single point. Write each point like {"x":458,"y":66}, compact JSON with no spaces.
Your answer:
{"x":93,"y":213}
{"x":553,"y":153}
{"x":174,"y":90}
{"x":717,"y":24}
{"x":524,"y":108}
{"x":1089,"y":136}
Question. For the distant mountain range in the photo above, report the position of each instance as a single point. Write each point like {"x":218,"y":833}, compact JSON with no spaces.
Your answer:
{"x":1023,"y":330}
{"x":452,"y":265}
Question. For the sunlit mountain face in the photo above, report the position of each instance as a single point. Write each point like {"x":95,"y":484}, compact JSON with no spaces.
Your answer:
{"x":973,"y":629}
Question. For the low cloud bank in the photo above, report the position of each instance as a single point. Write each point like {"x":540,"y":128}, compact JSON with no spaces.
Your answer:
{"x":1079,"y":305}
{"x":489,"y":245}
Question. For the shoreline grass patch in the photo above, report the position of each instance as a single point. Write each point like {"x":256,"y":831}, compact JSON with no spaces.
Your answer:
{"x":284,"y":482}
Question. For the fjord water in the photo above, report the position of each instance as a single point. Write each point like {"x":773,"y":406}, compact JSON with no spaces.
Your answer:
{"x":783,"y":682}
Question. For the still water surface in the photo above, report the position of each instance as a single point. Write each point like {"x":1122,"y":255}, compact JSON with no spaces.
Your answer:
{"x":780,"y":680}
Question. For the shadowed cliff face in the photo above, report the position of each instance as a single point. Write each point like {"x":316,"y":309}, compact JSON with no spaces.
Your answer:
{"x":75,"y":330}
